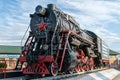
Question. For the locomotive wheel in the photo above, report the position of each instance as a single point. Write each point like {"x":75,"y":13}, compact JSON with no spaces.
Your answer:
{"x":91,"y":63}
{"x":78,"y":69}
{"x":54,"y":69}
{"x":85,"y":66}
{"x":71,"y":71}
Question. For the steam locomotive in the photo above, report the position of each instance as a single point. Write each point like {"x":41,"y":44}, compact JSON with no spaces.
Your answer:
{"x":56,"y":44}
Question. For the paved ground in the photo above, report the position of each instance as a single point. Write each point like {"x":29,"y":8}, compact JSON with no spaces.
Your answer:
{"x":118,"y":76}
{"x":108,"y":74}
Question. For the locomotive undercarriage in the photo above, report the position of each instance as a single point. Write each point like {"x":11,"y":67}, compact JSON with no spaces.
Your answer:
{"x":66,"y":56}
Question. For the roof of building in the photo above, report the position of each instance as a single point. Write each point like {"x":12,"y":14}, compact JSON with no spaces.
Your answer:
{"x":113,"y":52}
{"x":10,"y":49}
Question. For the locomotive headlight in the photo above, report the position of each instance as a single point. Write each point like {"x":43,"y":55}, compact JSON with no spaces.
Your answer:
{"x":40,"y":10}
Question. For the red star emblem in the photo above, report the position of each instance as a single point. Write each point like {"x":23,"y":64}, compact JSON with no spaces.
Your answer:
{"x":42,"y":26}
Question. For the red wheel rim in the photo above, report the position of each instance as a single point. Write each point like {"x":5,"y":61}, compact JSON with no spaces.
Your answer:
{"x":84,"y":68}
{"x":54,"y":70}
{"x":85,"y":61}
{"x":78,"y":69}
{"x":91,"y":63}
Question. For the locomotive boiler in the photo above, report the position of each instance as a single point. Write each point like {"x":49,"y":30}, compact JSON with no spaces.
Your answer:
{"x":56,"y":44}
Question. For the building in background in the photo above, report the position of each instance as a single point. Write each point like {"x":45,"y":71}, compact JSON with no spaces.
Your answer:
{"x":9,"y":54}
{"x":113,"y":59}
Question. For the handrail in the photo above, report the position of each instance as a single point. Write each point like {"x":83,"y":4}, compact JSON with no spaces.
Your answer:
{"x":79,"y":36}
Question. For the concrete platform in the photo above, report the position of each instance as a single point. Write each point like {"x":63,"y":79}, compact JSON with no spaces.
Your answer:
{"x":118,"y":76}
{"x":108,"y":74}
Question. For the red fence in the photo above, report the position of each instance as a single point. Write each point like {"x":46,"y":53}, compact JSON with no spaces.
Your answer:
{"x":5,"y":66}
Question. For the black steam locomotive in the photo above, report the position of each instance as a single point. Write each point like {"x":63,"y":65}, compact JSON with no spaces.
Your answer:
{"x":56,"y":44}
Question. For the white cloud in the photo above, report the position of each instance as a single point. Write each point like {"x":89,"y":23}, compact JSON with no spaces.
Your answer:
{"x":102,"y":11}
{"x":107,"y":36}
{"x":96,"y":16}
{"x":118,"y":50}
{"x":93,"y":15}
{"x":14,"y":22}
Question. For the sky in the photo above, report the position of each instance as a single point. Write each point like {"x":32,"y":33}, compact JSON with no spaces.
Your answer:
{"x":99,"y":16}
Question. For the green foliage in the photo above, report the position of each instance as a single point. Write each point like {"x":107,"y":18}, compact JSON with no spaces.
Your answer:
{"x":3,"y":65}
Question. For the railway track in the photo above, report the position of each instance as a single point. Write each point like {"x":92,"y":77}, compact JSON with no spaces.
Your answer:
{"x":69,"y":75}
{"x":19,"y":76}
